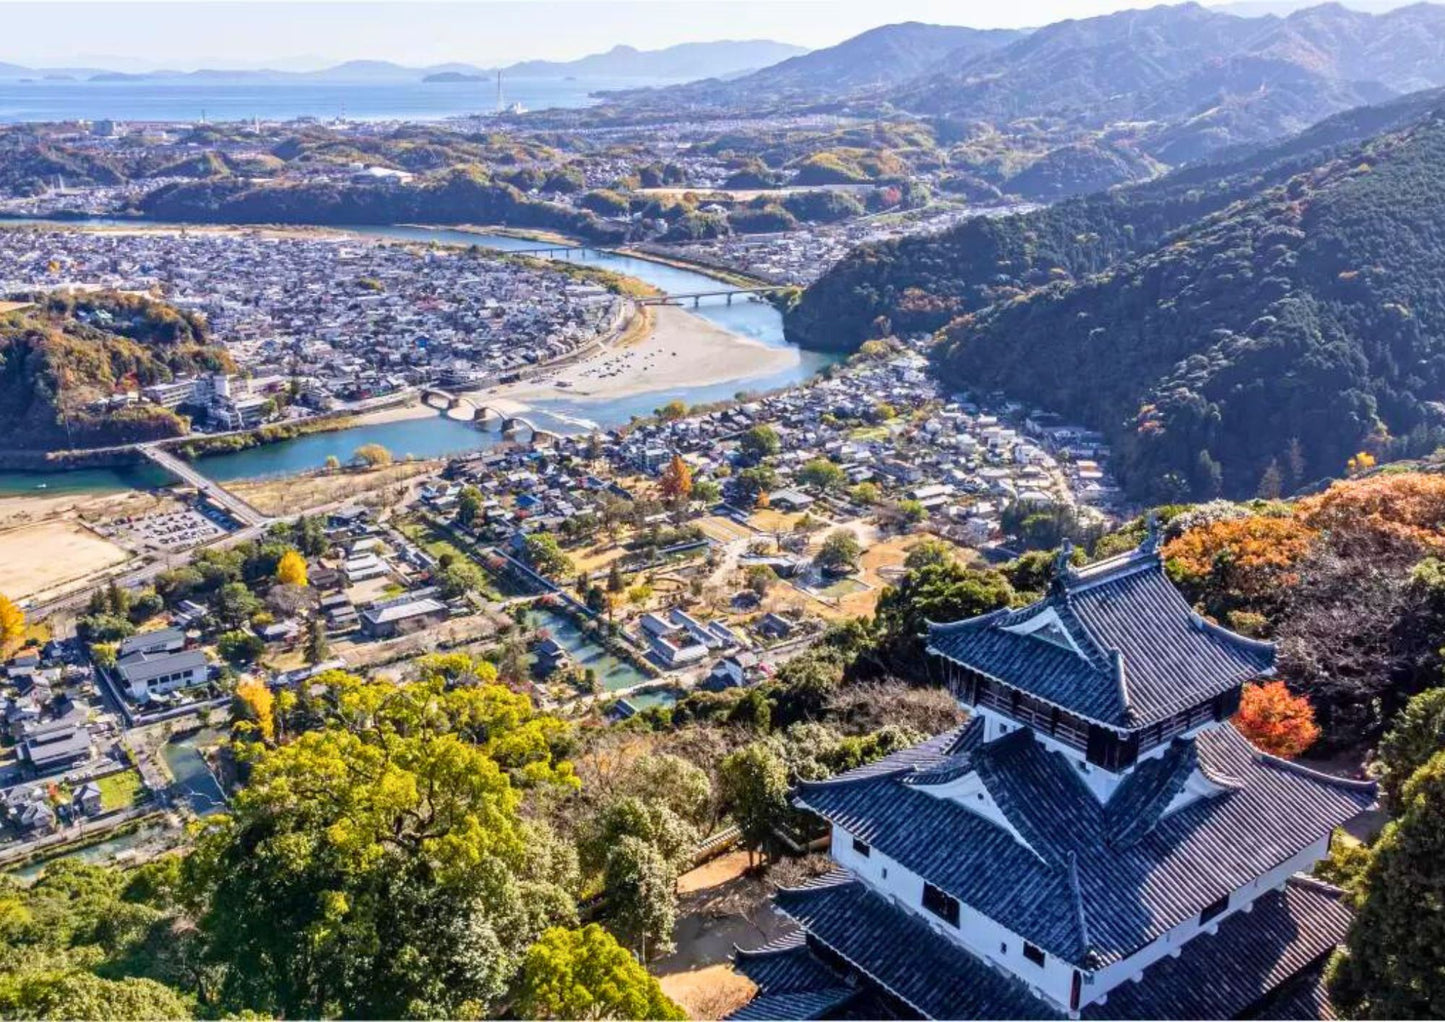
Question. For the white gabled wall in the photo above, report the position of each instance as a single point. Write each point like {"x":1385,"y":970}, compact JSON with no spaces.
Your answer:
{"x":976,"y":933}
{"x":1002,"y":948}
{"x":1170,"y":943}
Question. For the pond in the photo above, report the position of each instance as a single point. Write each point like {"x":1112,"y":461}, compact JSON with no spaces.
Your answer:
{"x":612,"y":672}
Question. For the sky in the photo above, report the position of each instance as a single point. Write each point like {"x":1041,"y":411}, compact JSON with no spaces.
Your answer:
{"x":187,"y":34}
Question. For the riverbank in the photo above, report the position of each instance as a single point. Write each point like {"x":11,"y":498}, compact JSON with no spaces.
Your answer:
{"x":680,"y":350}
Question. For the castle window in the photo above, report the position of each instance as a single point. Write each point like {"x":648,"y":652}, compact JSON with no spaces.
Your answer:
{"x":1213,"y":910}
{"x":1034,"y":954}
{"x":862,"y":848}
{"x":945,"y":906}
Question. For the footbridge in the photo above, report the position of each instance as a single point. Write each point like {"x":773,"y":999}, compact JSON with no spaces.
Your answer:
{"x":508,"y":423}
{"x":184,"y":471}
{"x":697,"y":296}
{"x":555,"y":251}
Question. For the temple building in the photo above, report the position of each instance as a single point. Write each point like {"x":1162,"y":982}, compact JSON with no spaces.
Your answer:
{"x":1097,"y":841}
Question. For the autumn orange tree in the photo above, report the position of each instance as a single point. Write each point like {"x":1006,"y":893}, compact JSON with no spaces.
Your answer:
{"x":1405,"y":510}
{"x":1276,"y":720}
{"x":675,"y":483}
{"x":1240,"y":561}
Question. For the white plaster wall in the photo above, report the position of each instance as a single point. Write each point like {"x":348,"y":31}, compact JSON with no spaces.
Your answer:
{"x":1172,"y":941}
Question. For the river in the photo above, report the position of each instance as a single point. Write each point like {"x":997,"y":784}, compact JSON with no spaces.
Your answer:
{"x":438,"y":436}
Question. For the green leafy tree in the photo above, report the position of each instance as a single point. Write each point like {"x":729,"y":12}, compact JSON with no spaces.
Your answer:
{"x":586,"y":974}
{"x":1418,"y":733}
{"x":840,"y":551}
{"x":759,"y":442}
{"x":754,"y":785}
{"x":234,"y":604}
{"x":934,"y":592}
{"x":317,"y":648}
{"x":240,"y":647}
{"x":460,"y":578}
{"x":1391,"y":967}
{"x":641,"y":885}
{"x":543,"y":554}
{"x":469,"y":505}
{"x":822,"y":473}
{"x":380,"y":865}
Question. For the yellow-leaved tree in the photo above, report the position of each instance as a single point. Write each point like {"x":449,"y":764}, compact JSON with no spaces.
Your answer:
{"x":258,"y":699}
{"x":12,"y":626}
{"x":291,"y":569}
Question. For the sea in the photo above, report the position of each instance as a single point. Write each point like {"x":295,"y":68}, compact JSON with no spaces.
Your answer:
{"x":184,"y":100}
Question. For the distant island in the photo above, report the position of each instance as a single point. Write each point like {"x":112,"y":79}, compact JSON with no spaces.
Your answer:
{"x":454,"y":76}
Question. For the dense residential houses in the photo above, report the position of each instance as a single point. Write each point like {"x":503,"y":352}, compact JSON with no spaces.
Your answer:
{"x":314,"y":321}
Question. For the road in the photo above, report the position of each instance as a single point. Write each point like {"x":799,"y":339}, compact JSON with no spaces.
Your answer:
{"x":234,"y":505}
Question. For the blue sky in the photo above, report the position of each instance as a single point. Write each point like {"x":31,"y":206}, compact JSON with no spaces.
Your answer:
{"x":185,"y":34}
{"x":190,"y":33}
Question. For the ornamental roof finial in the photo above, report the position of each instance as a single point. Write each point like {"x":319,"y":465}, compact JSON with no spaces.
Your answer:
{"x":1063,"y":562}
{"x":1152,"y":537}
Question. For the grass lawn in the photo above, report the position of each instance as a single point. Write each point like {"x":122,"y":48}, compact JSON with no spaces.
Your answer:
{"x":120,"y":791}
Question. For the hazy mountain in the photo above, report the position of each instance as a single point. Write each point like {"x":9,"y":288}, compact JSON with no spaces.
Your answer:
{"x":876,"y":59}
{"x":687,"y":60}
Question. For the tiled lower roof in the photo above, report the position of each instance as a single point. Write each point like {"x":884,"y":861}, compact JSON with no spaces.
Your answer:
{"x":792,"y":983}
{"x":792,"y":1007}
{"x":902,"y":953}
{"x":1089,"y":887}
{"x":1255,"y":953}
{"x":1306,"y":996}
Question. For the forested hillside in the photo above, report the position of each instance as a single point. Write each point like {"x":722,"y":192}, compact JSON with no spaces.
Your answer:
{"x":1205,"y":320}
{"x":61,"y":357}
{"x":1311,"y":312}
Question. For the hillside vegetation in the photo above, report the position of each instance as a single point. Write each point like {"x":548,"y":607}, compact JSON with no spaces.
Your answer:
{"x":62,"y":358}
{"x":1217,"y":315}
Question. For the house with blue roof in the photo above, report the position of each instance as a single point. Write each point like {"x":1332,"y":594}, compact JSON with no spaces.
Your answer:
{"x":1097,"y":841}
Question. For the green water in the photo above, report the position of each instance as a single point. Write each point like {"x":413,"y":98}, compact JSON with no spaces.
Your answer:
{"x":612,"y":672}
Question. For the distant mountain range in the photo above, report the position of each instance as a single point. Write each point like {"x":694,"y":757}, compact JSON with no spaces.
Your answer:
{"x":719,"y":59}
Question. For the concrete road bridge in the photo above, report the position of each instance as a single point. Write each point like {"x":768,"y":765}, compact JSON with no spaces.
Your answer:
{"x":237,"y":508}
{"x":696,"y":297}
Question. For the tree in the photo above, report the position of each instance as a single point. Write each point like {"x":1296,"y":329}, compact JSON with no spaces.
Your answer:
{"x":759,"y":578}
{"x":333,"y":464}
{"x":823,"y":474}
{"x":459,"y":578}
{"x":234,"y":604}
{"x":839,"y":553}
{"x":1271,"y":483}
{"x":675,"y":483}
{"x":12,"y":626}
{"x":291,"y":569}
{"x":379,"y":865}
{"x":1391,"y":966}
{"x":255,"y":704}
{"x":759,"y":442}
{"x":586,"y":974}
{"x":1417,"y":734}
{"x":754,"y":787}
{"x":929,"y":551}
{"x":543,"y":554}
{"x":751,"y":485}
{"x":640,"y":886}
{"x":615,"y":581}
{"x":706,"y":491}
{"x":672,"y":411}
{"x":372,"y":456}
{"x":865,"y":493}
{"x":469,"y":505}
{"x":934,"y":592}
{"x":240,"y":647}
{"x":316,"y":645}
{"x":1276,"y":720}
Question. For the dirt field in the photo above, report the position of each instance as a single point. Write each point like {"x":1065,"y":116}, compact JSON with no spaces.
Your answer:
{"x":39,"y":557}
{"x":289,"y":493}
{"x":719,"y":906}
{"x":722,"y":530}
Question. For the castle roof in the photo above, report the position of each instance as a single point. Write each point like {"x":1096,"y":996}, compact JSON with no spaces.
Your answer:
{"x":1266,"y":964}
{"x":1088,"y":882}
{"x":1113,"y":642}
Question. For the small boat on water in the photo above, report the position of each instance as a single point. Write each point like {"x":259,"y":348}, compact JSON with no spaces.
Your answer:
{"x":42,"y":486}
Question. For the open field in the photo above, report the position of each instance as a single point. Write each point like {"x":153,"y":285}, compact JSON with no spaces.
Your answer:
{"x":292,"y":493}
{"x":42,"y":556}
{"x":722,"y":530}
{"x":120,"y":791}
